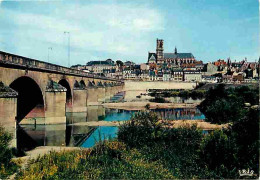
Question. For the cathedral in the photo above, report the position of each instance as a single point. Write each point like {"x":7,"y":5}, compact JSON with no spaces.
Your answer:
{"x":174,"y":59}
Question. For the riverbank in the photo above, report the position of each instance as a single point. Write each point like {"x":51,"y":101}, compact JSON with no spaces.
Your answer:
{"x":201,"y":124}
{"x":42,"y":150}
{"x":134,"y":89}
{"x":145,"y":85}
{"x":38,"y":152}
{"x":134,"y":106}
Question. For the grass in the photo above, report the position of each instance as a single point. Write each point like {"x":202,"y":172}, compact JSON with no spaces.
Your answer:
{"x":107,"y":160}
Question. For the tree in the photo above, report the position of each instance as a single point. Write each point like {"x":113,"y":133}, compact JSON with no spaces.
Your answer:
{"x":119,"y":63}
{"x":218,"y":153}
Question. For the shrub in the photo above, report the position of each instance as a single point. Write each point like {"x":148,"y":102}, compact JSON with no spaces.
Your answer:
{"x":218,"y":152}
{"x":223,"y":106}
{"x":158,"y":100}
{"x":245,"y":133}
{"x":143,"y":127}
{"x":223,"y":111}
{"x":6,"y":166}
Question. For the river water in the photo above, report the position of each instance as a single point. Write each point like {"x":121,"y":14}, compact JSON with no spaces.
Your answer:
{"x":34,"y":135}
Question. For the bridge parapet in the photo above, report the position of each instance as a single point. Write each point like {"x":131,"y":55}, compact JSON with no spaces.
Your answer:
{"x":28,"y":63}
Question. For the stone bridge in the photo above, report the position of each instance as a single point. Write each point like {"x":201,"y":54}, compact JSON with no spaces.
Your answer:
{"x":30,"y":88}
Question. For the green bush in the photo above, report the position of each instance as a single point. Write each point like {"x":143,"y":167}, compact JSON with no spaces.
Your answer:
{"x":142,"y":128}
{"x":223,"y":111}
{"x":245,"y":133}
{"x":158,"y":100}
{"x":194,"y":94}
{"x":176,"y":149}
{"x":218,"y":153}
{"x":6,"y":166}
{"x":227,"y":105}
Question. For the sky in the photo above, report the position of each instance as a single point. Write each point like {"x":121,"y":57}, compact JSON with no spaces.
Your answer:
{"x":127,"y":30}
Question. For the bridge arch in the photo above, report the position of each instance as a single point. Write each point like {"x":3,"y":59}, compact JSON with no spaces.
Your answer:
{"x":82,"y":84}
{"x":90,"y":84}
{"x":65,"y":84}
{"x":30,"y":101}
{"x":100,"y":84}
{"x":76,"y":84}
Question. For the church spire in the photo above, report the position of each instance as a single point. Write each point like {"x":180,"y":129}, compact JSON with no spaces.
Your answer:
{"x":175,"y":50}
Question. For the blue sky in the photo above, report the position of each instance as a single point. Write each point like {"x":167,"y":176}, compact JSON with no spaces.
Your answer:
{"x":127,"y":30}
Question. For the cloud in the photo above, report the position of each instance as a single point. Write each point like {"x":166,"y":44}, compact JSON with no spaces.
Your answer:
{"x":105,"y":28}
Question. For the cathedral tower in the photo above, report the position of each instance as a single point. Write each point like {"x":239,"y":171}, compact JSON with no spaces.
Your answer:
{"x":159,"y":50}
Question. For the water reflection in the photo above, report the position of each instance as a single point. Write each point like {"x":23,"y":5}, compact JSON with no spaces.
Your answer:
{"x":100,"y":133}
{"x":183,"y":100}
{"x":165,"y":114}
{"x":32,"y":136}
{"x":36,"y":134}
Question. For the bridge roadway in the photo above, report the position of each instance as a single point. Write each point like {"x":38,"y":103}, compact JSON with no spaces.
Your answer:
{"x":31,"y":88}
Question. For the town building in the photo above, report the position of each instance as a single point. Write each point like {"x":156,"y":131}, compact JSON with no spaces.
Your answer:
{"x":129,"y":63}
{"x":101,"y":67}
{"x":192,"y":76}
{"x":211,"y":69}
{"x":144,"y":66}
{"x":177,"y":74}
{"x":171,"y":58}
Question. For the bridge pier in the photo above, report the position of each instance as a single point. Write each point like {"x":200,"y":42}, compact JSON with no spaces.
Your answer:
{"x":79,"y":100}
{"x":120,"y":87}
{"x":114,"y":90}
{"x":107,"y":93}
{"x":8,"y":111}
{"x":101,"y":91}
{"x":92,"y":96}
{"x":55,"y":106}
{"x":7,"y":116}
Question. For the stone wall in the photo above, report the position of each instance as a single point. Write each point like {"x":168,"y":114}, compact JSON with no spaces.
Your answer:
{"x":7,"y":116}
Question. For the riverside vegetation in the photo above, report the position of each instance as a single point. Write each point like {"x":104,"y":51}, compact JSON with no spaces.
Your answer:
{"x":185,"y":94}
{"x":146,"y":149}
{"x":7,"y":167}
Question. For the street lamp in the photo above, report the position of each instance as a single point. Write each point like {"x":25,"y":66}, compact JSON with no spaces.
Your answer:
{"x":68,"y":33}
{"x":49,"y":48}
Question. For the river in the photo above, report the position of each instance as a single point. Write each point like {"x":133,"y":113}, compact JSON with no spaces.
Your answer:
{"x":30,"y":136}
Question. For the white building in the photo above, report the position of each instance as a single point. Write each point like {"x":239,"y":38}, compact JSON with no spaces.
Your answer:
{"x":192,"y":76}
{"x":100,"y":67}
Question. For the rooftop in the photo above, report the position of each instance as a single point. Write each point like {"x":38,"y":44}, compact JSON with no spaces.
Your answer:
{"x":178,"y":55}
{"x":92,"y":63}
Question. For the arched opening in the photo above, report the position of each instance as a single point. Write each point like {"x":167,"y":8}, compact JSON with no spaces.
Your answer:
{"x":90,"y":84}
{"x":65,"y":84}
{"x":30,"y":101}
{"x":82,"y":84}
{"x":100,"y":84}
{"x":76,"y":84}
